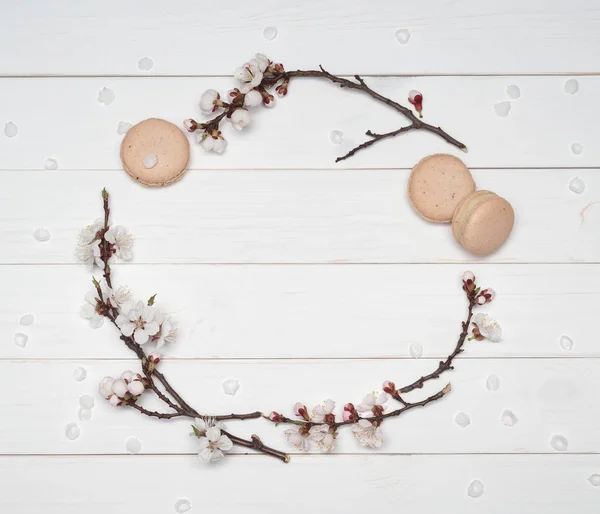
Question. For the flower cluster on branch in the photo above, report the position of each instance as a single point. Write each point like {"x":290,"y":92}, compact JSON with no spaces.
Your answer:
{"x":141,"y":325}
{"x":256,"y":80}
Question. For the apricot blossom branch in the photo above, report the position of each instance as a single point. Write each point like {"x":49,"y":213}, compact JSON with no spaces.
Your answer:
{"x":260,"y":75}
{"x":142,"y":323}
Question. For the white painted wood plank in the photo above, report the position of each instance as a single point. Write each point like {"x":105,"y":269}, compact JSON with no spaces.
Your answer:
{"x":61,"y":118}
{"x":548,"y":396}
{"x":291,"y":217}
{"x":328,"y":311}
{"x":533,"y":484}
{"x":202,"y":37}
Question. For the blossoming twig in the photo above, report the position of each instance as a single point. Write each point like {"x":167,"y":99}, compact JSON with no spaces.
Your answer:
{"x":142,"y":323}
{"x":260,"y":75}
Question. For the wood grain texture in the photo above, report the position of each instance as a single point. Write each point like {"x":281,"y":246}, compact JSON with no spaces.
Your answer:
{"x":70,"y":37}
{"x":61,"y":118}
{"x":292,"y":217}
{"x":328,"y":311}
{"x":548,"y":396}
{"x":525,"y":484}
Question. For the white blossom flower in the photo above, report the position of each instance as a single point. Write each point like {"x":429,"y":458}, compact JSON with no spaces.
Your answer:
{"x":320,"y":411}
{"x":212,"y":144}
{"x":324,"y":436}
{"x":135,"y":387}
{"x":213,"y":444}
{"x":367,"y":433}
{"x":119,"y":387}
{"x":488,"y":327}
{"x":201,"y":425}
{"x":253,"y":98}
{"x":240,"y":118}
{"x":208,"y":100}
{"x":299,"y":438}
{"x":89,"y":310}
{"x":105,"y":387}
{"x":167,"y":333}
{"x":371,"y":402}
{"x":121,"y":240}
{"x":263,"y":62}
{"x":97,"y":254}
{"x":250,"y":75}
{"x":88,"y":244}
{"x":117,"y":297}
{"x":138,"y":320}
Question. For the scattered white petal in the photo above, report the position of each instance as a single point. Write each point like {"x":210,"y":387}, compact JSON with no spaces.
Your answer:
{"x":509,"y":418}
{"x":571,"y":87}
{"x":72,"y":431}
{"x":41,"y":234}
{"x":475,"y":489}
{"x":183,"y":505}
{"x":79,"y":374}
{"x":577,"y":148}
{"x":27,"y":320}
{"x":270,"y":32}
{"x":86,"y":401}
{"x":502,"y":109}
{"x":51,"y":164}
{"x":577,"y":185}
{"x":403,"y":36}
{"x":133,"y":445}
{"x":85,"y":414}
{"x":559,"y":443}
{"x":150,"y":161}
{"x":10,"y":129}
{"x":123,"y":127}
{"x":594,"y":479}
{"x":416,"y":350}
{"x":20,"y":339}
{"x":231,"y":386}
{"x":145,"y":64}
{"x":566,"y":343}
{"x":513,"y":92}
{"x":492,"y":383}
{"x":106,"y":96}
{"x":462,"y":419}
{"x":336,"y":137}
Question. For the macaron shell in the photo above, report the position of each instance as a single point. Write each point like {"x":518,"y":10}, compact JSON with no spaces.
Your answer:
{"x":437,"y":184}
{"x":487,"y":227}
{"x":465,"y":208}
{"x":161,"y":138}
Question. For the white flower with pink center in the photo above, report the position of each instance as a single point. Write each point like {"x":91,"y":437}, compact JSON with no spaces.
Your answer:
{"x":138,"y":320}
{"x":372,"y":402}
{"x":250,"y":74}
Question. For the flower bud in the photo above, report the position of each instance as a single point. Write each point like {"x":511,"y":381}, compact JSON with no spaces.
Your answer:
{"x":252,"y":98}
{"x":127,"y":376}
{"x":481,"y":300}
{"x":486,"y":296}
{"x":136,"y":387}
{"x":468,"y":275}
{"x":300,"y":410}
{"x":416,"y":99}
{"x":119,"y":387}
{"x":347,"y":415}
{"x":190,"y":125}
{"x":349,"y":407}
{"x":275,"y":417}
{"x":114,"y":400}
{"x":209,"y":101}
{"x":468,"y":280}
{"x":389,"y":387}
{"x":105,"y":387}
{"x":154,"y":357}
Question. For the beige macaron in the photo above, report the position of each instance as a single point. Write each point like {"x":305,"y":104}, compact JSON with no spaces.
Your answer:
{"x":482,"y":222}
{"x":437,"y":184}
{"x":155,"y":152}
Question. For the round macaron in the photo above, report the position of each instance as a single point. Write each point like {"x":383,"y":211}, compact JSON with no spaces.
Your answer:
{"x":436,"y":186}
{"x":482,"y":222}
{"x":155,"y":152}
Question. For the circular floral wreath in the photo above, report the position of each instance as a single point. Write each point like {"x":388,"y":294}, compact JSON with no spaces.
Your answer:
{"x":142,"y":324}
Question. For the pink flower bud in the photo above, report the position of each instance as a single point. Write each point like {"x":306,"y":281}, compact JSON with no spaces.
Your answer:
{"x":114,"y":400}
{"x":347,"y":415}
{"x":300,"y":410}
{"x":349,"y":407}
{"x":119,"y":387}
{"x":389,"y":387}
{"x":481,"y":300}
{"x":127,"y":376}
{"x":468,"y":275}
{"x":154,"y":357}
{"x":190,"y":125}
{"x":489,"y":294}
{"x":416,"y":98}
{"x":275,"y":417}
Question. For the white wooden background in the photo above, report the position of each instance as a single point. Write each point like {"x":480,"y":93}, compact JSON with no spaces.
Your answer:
{"x":301,"y":278}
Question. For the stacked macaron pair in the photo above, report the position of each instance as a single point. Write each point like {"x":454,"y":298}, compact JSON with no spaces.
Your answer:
{"x":442,"y":190}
